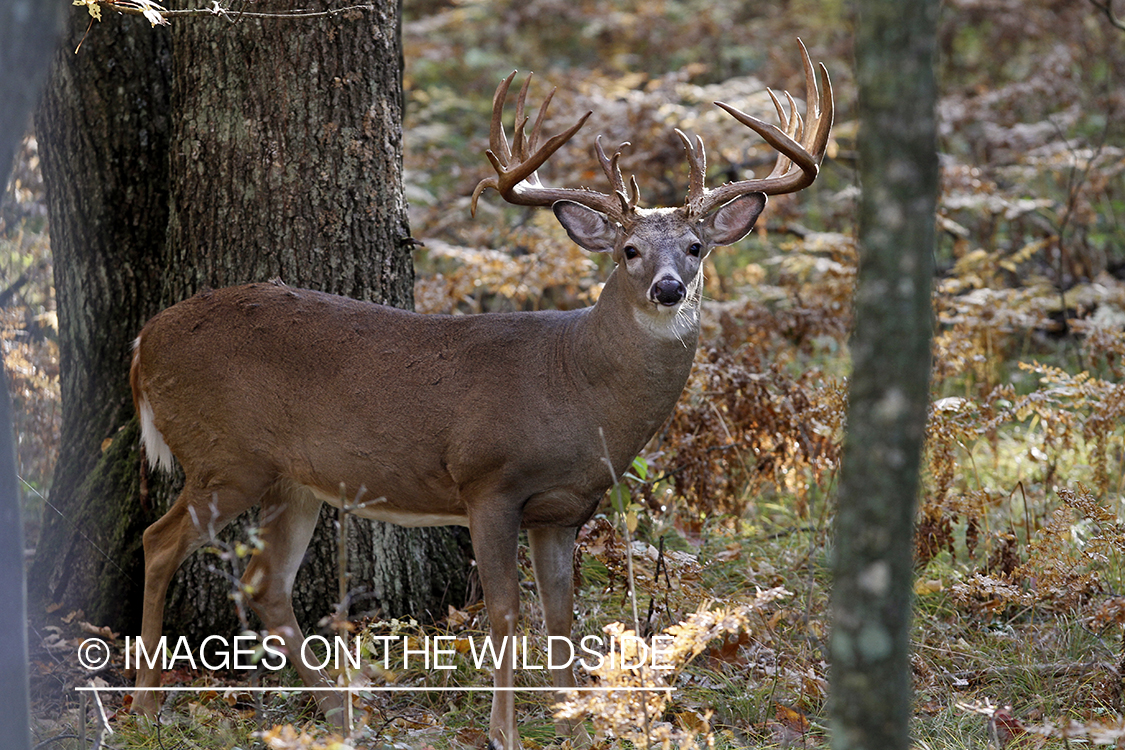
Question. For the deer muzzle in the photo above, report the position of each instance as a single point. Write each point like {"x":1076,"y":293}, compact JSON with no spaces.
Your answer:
{"x":668,"y":291}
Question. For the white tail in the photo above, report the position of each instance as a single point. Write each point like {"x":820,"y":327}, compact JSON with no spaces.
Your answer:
{"x":157,"y":452}
{"x":277,"y":396}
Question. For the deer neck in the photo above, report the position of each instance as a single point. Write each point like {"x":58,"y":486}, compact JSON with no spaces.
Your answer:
{"x":636,"y":364}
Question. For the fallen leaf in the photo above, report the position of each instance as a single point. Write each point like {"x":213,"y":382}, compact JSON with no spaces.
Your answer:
{"x":791,"y":718}
{"x":457,"y":617}
{"x":103,"y":632}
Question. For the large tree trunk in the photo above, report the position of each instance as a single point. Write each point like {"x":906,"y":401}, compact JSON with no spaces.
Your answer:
{"x":275,"y":152}
{"x":287,"y":157}
{"x":288,"y":163}
{"x":103,"y":132}
{"x":889,"y":389}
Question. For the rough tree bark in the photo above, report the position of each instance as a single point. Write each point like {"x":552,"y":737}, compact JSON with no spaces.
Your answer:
{"x":287,"y":162}
{"x":103,"y":133}
{"x":28,"y":30}
{"x":251,"y":150}
{"x":871,"y":596}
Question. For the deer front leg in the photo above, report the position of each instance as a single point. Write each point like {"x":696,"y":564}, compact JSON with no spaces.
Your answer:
{"x":495,"y":533}
{"x":552,"y":558}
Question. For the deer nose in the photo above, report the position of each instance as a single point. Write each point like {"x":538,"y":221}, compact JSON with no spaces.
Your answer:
{"x":668,"y":291}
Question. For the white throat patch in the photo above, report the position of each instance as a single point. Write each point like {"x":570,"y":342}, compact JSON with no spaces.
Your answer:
{"x":678,"y":323}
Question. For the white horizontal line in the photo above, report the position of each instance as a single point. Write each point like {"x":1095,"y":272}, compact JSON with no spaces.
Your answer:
{"x":383,"y":689}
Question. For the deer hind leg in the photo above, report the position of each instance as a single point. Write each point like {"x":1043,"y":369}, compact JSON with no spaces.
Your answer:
{"x":288,"y":518}
{"x":197,"y":514}
{"x":552,"y":559}
{"x":495,"y":532}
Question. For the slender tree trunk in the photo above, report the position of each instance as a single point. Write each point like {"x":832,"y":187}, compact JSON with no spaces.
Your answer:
{"x":103,"y":133}
{"x":28,"y":30}
{"x":871,"y":597}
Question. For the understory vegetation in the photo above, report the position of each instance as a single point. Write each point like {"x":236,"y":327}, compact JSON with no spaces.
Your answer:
{"x":723,"y":527}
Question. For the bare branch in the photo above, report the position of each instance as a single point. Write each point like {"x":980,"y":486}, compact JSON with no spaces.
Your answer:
{"x":140,"y":8}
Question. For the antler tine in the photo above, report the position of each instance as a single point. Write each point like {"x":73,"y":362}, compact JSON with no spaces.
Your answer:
{"x":533,"y":141}
{"x":793,"y":126}
{"x":518,"y":138}
{"x":697,"y":165}
{"x":627,"y":195}
{"x":800,"y":143}
{"x":825,"y":112}
{"x":610,"y":166}
{"x":496,"y":138}
{"x":516,"y":166}
{"x":796,"y":124}
{"x":818,"y":102}
{"x":812,"y":104}
{"x":636,"y":193}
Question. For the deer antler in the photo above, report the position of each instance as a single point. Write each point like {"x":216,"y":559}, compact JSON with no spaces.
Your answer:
{"x":516,"y":179}
{"x":800,"y":147}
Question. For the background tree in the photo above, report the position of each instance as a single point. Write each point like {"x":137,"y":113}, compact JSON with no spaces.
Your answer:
{"x":210,"y":155}
{"x":889,"y":388}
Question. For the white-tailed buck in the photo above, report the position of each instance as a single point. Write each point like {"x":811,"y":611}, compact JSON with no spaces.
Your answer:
{"x":276,"y":396}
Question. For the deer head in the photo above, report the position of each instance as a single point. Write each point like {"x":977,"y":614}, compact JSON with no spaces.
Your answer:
{"x":660,"y":249}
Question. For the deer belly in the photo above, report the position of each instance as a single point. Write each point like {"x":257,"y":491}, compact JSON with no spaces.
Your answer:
{"x":379,"y":509}
{"x":559,"y":508}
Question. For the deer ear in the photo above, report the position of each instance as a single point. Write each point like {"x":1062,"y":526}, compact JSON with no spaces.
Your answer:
{"x":733,"y":220}
{"x":591,"y":229}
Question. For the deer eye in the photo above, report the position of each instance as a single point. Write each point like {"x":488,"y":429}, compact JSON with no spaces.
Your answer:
{"x":630,"y":252}
{"x":695,"y":249}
